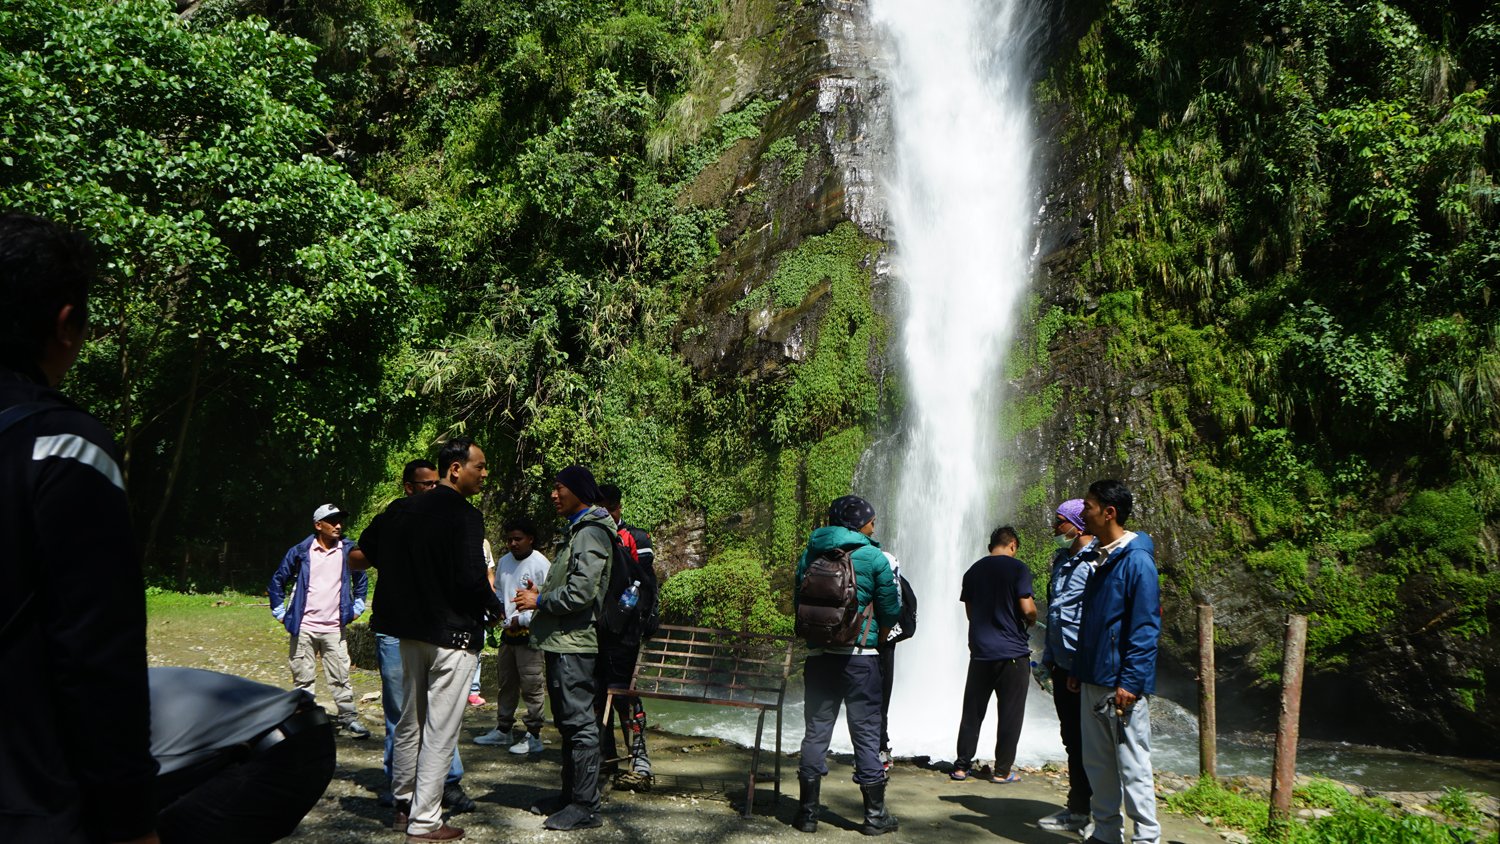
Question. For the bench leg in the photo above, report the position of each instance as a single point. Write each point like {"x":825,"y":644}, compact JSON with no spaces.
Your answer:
{"x":760,"y":725}
{"x":778,"y":756}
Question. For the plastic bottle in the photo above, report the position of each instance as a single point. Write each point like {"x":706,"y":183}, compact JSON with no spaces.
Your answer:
{"x":1042,"y":675}
{"x":630,"y":597}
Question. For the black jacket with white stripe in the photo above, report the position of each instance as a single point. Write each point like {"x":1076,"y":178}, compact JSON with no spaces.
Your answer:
{"x":74,"y":720}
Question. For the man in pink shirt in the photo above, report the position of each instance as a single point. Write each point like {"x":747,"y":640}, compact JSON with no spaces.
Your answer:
{"x":326,"y":597}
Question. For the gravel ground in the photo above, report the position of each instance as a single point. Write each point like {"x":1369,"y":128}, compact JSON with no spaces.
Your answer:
{"x":698,"y":794}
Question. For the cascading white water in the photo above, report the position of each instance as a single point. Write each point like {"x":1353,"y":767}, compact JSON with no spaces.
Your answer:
{"x":961,"y":205}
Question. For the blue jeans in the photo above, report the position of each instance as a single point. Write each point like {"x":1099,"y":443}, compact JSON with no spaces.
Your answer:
{"x":388,"y":657}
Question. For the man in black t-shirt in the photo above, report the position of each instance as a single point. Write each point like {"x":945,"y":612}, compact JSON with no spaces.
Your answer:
{"x":997,"y":598}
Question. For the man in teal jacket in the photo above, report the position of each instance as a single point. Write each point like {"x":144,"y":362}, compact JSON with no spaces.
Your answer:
{"x":849,"y":675}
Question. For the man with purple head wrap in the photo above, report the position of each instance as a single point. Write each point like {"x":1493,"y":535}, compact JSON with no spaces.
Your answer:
{"x":1072,"y":563}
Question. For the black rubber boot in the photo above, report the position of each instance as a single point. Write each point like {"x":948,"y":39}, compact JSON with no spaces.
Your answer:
{"x":807,"y":804}
{"x":878,"y":821}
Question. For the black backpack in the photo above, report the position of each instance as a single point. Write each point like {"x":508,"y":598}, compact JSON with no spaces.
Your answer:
{"x":828,"y":613}
{"x":623,"y":569}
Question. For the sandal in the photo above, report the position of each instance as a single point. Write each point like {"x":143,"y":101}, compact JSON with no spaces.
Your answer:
{"x":959,"y":774}
{"x":1011,"y":777}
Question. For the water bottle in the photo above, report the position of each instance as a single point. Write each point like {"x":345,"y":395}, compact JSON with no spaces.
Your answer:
{"x":1042,"y":675}
{"x":631,"y":596}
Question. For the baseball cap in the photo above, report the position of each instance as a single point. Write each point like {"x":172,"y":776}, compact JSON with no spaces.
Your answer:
{"x":323,"y":512}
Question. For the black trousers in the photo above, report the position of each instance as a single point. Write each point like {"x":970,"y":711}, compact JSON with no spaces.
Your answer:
{"x":854,"y":681}
{"x":571,"y":688}
{"x":887,"y":682}
{"x":1007,"y":680}
{"x":1068,"y":715}
{"x":250,"y":799}
{"x":616,"y":667}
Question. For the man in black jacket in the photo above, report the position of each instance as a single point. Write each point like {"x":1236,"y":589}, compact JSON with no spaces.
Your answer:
{"x":433,"y":595}
{"x":72,"y":601}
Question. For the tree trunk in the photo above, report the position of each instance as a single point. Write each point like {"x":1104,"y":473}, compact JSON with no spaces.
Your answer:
{"x":187,"y":416}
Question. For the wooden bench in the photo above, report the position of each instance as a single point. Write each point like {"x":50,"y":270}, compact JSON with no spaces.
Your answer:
{"x":720,"y":667}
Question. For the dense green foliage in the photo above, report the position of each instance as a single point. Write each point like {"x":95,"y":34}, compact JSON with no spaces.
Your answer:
{"x":1350,"y":819}
{"x":375,"y":222}
{"x":253,"y":289}
{"x":1299,"y":241}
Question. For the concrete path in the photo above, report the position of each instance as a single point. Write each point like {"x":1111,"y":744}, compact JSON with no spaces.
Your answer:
{"x":700,"y":786}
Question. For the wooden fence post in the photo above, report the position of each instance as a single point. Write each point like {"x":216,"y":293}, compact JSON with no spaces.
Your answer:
{"x":1208,"y":730}
{"x":1284,"y":769}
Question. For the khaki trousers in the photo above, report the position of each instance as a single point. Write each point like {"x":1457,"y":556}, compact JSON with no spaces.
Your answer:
{"x":436,"y":691}
{"x":306,"y":648}
{"x":521,"y":670}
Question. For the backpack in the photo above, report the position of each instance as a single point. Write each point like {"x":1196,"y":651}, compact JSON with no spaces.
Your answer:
{"x":908,"y":622}
{"x":828,"y":613}
{"x":649,"y":607}
{"x":624,"y":568}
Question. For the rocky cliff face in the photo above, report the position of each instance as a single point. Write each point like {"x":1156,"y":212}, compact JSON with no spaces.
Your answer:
{"x":1410,"y":685}
{"x":812,"y":165}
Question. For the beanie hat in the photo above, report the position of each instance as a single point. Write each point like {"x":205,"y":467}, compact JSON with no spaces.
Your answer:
{"x":581,"y":481}
{"x":851,"y":512}
{"x":1071,"y":511}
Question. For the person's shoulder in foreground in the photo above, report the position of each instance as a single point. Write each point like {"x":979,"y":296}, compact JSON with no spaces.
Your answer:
{"x":77,"y":632}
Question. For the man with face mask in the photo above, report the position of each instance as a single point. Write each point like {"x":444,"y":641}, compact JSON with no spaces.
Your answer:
{"x":1072,"y":563}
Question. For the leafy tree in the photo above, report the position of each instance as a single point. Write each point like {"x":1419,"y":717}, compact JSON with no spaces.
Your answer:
{"x":245,"y":276}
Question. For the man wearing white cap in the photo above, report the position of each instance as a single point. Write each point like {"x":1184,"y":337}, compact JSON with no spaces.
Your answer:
{"x":326,"y":597}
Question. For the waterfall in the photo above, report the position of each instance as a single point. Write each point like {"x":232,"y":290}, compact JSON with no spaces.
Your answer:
{"x":961,"y":202}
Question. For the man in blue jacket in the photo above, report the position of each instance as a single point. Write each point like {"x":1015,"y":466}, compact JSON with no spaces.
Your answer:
{"x":849,"y":675}
{"x":1114,"y":669}
{"x":326,"y":598}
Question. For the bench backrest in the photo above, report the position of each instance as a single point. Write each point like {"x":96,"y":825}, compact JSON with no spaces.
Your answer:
{"x":711,"y":665}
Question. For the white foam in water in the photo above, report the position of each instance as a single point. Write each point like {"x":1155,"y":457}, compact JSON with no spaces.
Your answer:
{"x":960,"y":202}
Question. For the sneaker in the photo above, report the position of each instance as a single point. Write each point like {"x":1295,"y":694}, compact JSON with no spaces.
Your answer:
{"x":495,"y":738}
{"x":475,"y":699}
{"x":456,"y":801}
{"x":1065,"y":821}
{"x":527,"y":744}
{"x":354,"y":729}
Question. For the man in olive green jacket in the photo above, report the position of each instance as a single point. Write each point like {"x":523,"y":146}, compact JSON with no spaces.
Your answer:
{"x":568,"y":607}
{"x":848,"y":675}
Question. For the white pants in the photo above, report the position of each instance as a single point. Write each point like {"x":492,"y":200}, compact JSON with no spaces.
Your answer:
{"x":1117,"y":757}
{"x":432,"y":713}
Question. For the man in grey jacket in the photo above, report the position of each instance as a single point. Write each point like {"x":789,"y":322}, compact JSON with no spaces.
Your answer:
{"x":568,"y":606}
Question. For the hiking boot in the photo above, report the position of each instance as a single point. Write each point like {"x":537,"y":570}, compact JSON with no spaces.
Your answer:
{"x":572,"y":816}
{"x":442,"y":833}
{"x":550,"y":805}
{"x":355,"y":730}
{"x":1064,"y":821}
{"x":527,"y":744}
{"x":456,"y":801}
{"x":495,"y":738}
{"x":807,"y":804}
{"x":878,"y":821}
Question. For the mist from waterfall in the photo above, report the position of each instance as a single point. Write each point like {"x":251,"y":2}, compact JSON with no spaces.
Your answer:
{"x":961,"y":207}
